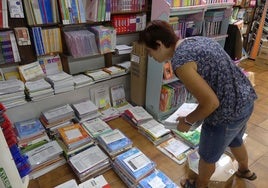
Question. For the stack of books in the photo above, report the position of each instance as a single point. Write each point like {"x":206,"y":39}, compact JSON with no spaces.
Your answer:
{"x":175,"y":149}
{"x":132,"y":166}
{"x":31,"y":134}
{"x":191,"y":138}
{"x":57,"y":117}
{"x":74,"y":136}
{"x":12,"y":93}
{"x":123,"y":49}
{"x":39,"y":89}
{"x":157,"y":179}
{"x":96,"y":127}
{"x":125,"y":65}
{"x":154,"y":131}
{"x":137,"y":115}
{"x":114,"y":142}
{"x":61,"y":82}
{"x":98,"y":75}
{"x":45,"y":158}
{"x":81,"y":80}
{"x":114,"y":71}
{"x":89,"y":163}
{"x":85,"y":110}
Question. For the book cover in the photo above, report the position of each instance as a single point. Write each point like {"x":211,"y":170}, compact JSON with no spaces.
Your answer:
{"x":15,"y":9}
{"x":96,"y":127}
{"x":157,"y":179}
{"x":28,"y":128}
{"x":191,"y":138}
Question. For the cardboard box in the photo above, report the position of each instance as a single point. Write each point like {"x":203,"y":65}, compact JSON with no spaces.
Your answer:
{"x":223,"y":175}
{"x":138,"y":72}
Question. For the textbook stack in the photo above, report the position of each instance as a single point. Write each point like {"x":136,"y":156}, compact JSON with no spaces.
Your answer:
{"x":57,"y":117}
{"x":38,"y":90}
{"x":132,"y":166}
{"x":85,"y":110}
{"x":45,"y":158}
{"x":89,"y":163}
{"x":114,"y":142}
{"x":124,"y":65}
{"x":98,"y":75}
{"x":114,"y":71}
{"x":175,"y":149}
{"x":61,"y":82}
{"x":96,"y":127}
{"x":157,"y":179}
{"x":137,"y":115}
{"x":81,"y":80}
{"x":73,"y":139}
{"x":154,"y":131}
{"x":31,"y":134}
{"x":12,"y":93}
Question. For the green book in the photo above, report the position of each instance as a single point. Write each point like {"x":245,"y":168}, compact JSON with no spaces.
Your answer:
{"x":191,"y":138}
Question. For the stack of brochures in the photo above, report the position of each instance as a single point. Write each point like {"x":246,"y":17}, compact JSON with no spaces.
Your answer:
{"x":89,"y":163}
{"x":132,"y":166}
{"x":96,"y":127}
{"x":157,"y":179}
{"x":12,"y":93}
{"x":98,"y":75}
{"x":114,"y":142}
{"x":45,"y":158}
{"x":85,"y":110}
{"x":38,"y":90}
{"x":154,"y":131}
{"x":114,"y":71}
{"x":57,"y":117}
{"x":137,"y":115}
{"x":81,"y":80}
{"x":30,"y":133}
{"x":61,"y":82}
{"x":191,"y":138}
{"x":175,"y":149}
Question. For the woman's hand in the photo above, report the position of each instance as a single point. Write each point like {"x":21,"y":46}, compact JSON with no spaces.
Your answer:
{"x":182,"y":126}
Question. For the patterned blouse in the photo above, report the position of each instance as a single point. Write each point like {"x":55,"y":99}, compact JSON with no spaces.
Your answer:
{"x":232,"y":87}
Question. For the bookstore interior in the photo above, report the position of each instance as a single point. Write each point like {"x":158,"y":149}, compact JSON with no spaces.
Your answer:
{"x":75,"y":92}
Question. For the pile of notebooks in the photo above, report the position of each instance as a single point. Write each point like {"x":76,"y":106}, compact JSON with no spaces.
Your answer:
{"x":114,"y":142}
{"x":61,"y":82}
{"x":89,"y":163}
{"x":12,"y":93}
{"x":38,"y":89}
{"x":85,"y":110}
{"x":132,"y":166}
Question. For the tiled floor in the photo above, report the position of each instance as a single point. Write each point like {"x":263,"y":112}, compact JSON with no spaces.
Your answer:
{"x":257,"y":140}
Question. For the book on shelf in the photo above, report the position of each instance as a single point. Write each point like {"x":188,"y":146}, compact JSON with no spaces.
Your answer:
{"x":22,"y":36}
{"x":134,"y":164}
{"x":96,"y":127}
{"x":31,"y":71}
{"x":98,"y":75}
{"x":167,"y":71}
{"x":50,"y":64}
{"x":191,"y":138}
{"x":157,"y":179}
{"x":74,"y":135}
{"x":125,"y":65}
{"x":186,"y":108}
{"x":114,"y":142}
{"x":175,"y":149}
{"x":114,"y":71}
{"x":15,"y":9}
{"x":101,"y":97}
{"x":81,"y":80}
{"x":123,"y":49}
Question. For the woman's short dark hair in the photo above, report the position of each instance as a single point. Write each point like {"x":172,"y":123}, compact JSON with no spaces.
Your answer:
{"x":158,"y":30}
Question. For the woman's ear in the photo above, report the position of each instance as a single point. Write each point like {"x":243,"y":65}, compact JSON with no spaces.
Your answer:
{"x":159,"y":43}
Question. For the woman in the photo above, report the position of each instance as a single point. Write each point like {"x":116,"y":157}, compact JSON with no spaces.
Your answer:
{"x":225,"y":96}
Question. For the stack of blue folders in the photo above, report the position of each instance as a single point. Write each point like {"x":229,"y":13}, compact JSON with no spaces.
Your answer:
{"x":114,"y":142}
{"x":157,"y":179}
{"x":132,"y":166}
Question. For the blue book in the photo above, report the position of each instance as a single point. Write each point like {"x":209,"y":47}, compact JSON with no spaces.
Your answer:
{"x":157,"y":179}
{"x":28,"y":128}
{"x":114,"y":141}
{"x":135,"y":164}
{"x":48,"y":10}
